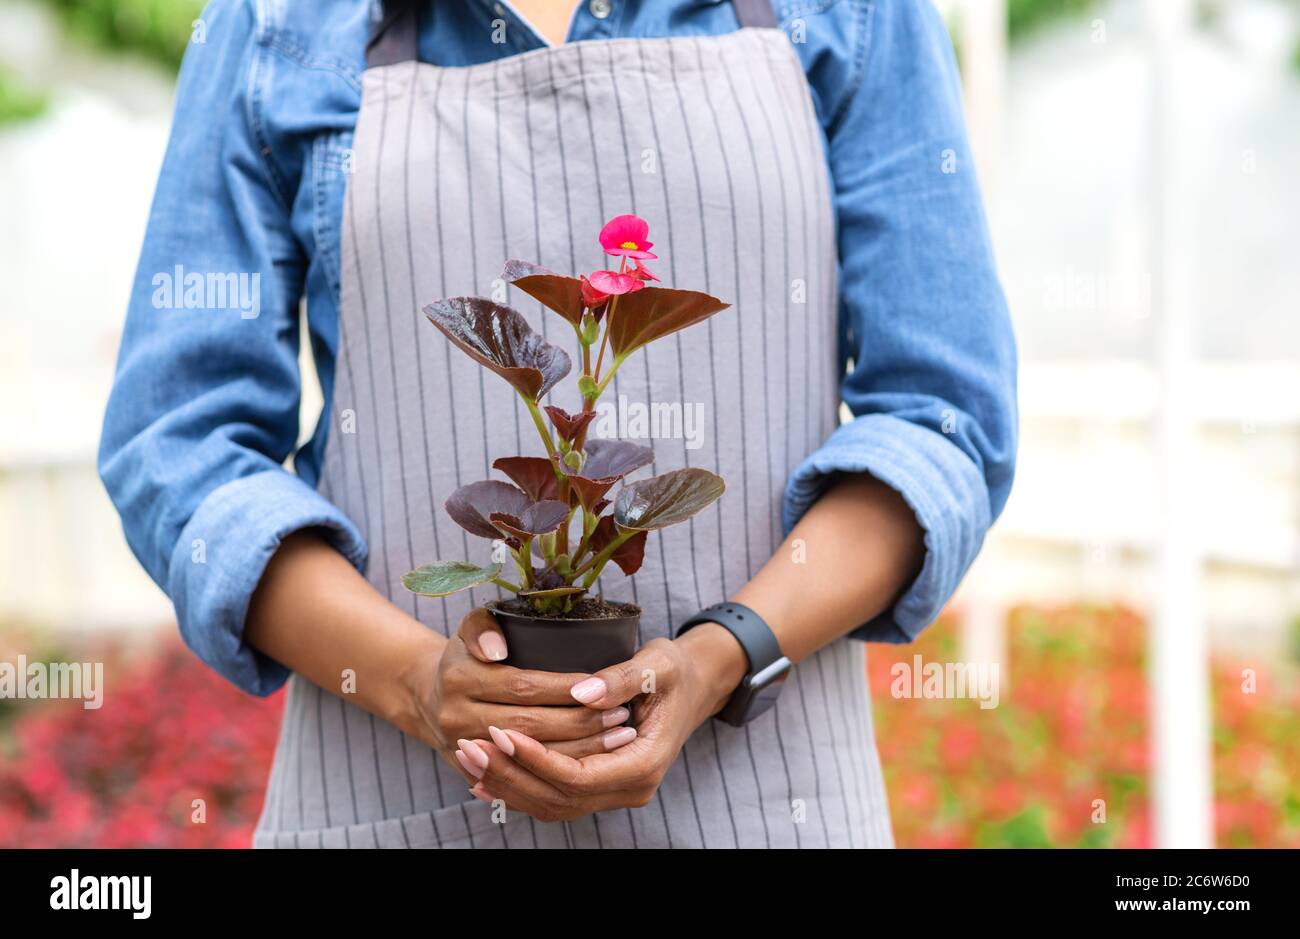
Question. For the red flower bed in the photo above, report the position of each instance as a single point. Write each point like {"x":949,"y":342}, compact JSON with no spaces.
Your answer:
{"x":127,"y":775}
{"x":1071,"y":728}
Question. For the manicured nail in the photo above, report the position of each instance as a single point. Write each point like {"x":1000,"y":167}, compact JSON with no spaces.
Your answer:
{"x":474,"y":752}
{"x":482,"y":794}
{"x":614,"y":718}
{"x":492,"y":645}
{"x":516,"y":737}
{"x":617,"y":738}
{"x":588,"y":690}
{"x":470,"y":767}
{"x":501,"y":740}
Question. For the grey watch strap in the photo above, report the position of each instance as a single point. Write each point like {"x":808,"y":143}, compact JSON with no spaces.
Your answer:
{"x":753,"y":634}
{"x":766,"y":660}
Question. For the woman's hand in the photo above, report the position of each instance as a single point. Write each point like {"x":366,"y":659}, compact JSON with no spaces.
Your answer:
{"x":468,"y":691}
{"x":316,"y":614}
{"x":678,"y":685}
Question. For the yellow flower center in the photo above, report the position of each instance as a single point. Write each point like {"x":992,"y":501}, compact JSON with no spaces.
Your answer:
{"x":629,"y":245}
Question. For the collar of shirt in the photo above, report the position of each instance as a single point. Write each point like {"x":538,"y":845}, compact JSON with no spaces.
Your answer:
{"x":483,"y":30}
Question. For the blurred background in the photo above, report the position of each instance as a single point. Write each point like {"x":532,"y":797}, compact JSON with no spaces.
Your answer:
{"x":1140,"y":594}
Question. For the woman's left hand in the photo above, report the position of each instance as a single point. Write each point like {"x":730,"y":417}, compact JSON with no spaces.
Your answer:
{"x":678,"y":684}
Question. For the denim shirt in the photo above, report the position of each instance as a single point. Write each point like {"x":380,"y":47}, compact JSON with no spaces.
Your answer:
{"x":204,"y":410}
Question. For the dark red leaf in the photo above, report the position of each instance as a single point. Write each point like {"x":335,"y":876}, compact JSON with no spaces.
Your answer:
{"x":656,"y":312}
{"x":546,"y":578}
{"x":660,"y":501}
{"x":501,"y":340}
{"x":629,"y":555}
{"x":472,"y":506}
{"x":535,"y":475}
{"x":567,"y":425}
{"x":538,"y":519}
{"x":607,"y":461}
{"x":554,"y":291}
{"x":606,"y":458}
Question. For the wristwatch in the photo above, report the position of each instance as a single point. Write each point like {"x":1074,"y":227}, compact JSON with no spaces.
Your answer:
{"x":768,"y":666}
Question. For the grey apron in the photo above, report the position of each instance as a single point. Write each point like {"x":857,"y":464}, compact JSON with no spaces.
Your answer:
{"x":713,"y":140}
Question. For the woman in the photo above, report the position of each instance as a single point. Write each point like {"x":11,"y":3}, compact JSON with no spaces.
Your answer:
{"x":815,"y":175}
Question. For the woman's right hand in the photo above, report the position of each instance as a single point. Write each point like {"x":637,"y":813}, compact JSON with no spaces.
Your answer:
{"x":470,"y":691}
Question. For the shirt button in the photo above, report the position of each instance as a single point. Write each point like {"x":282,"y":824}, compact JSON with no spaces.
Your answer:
{"x":600,"y":9}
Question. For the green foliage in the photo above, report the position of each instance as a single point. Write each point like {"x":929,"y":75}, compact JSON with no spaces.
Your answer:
{"x":156,"y":29}
{"x":18,"y":102}
{"x":1023,"y":16}
{"x":1025,"y":830}
{"x":443,"y":578}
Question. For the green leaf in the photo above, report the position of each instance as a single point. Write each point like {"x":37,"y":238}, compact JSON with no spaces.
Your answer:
{"x":442,"y":578}
{"x":655,"y":312}
{"x":660,"y":501}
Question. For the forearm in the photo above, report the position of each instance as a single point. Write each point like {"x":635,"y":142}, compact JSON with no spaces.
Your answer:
{"x":847,"y":559}
{"x":315,"y":614}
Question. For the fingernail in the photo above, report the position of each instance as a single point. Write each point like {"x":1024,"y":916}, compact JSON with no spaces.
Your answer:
{"x":474,"y":752}
{"x":515,"y":737}
{"x":617,"y":738}
{"x":615,"y":717}
{"x":588,"y":690}
{"x":492,"y":645}
{"x":501,"y":740}
{"x":482,"y":794}
{"x":470,"y":767}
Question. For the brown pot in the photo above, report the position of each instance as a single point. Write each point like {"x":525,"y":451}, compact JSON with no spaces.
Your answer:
{"x":555,"y":644}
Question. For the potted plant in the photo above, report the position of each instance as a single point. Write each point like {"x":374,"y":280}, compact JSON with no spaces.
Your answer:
{"x":557,"y":516}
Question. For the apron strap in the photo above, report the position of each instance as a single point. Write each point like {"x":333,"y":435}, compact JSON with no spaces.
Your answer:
{"x":396,"y":38}
{"x":755,"y":14}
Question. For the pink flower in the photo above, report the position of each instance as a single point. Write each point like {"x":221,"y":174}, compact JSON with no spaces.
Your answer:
{"x":625,"y":236}
{"x":592,"y":298}
{"x":613,"y":284}
{"x":642,"y":272}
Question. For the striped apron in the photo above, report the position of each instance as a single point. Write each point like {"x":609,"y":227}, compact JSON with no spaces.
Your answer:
{"x":714,"y":140}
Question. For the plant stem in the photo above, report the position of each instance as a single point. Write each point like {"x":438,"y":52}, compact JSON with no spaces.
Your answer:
{"x":562,"y":535}
{"x":604,"y":336}
{"x":593,"y":567}
{"x":613,"y":369}
{"x":545,"y":433}
{"x":502,"y":582}
{"x":523,"y":562}
{"x":525,"y":559}
{"x":587,"y":531}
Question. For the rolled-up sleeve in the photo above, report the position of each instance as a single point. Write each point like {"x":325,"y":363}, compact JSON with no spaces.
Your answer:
{"x":926,"y":342}
{"x":204,"y":407}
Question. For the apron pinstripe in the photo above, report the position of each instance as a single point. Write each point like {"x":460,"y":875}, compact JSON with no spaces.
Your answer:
{"x":714,"y":141}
